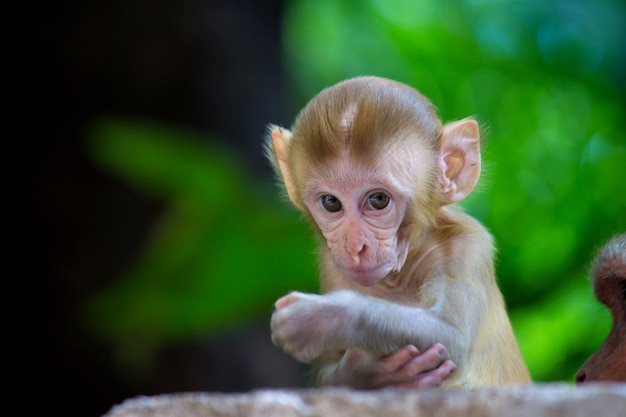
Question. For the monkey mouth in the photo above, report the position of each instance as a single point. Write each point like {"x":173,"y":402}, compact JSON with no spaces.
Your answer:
{"x":368,"y":277}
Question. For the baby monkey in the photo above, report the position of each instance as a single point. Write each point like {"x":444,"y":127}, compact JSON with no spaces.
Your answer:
{"x":369,"y":163}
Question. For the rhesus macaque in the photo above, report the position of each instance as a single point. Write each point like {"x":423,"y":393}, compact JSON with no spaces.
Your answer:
{"x":608,"y":272}
{"x":370,"y":165}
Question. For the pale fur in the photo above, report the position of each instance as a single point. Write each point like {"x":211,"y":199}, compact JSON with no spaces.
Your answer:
{"x":444,"y":290}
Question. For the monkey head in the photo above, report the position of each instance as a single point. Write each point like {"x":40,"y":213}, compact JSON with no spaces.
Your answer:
{"x":369,"y":162}
{"x":608,"y":272}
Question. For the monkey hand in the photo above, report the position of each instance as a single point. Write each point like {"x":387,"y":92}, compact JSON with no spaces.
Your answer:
{"x":405,"y":368}
{"x":306,"y":325}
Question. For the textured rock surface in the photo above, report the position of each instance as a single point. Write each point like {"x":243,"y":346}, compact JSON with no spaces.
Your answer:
{"x":550,"y":400}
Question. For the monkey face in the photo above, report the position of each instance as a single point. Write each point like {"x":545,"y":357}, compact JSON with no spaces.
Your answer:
{"x":359,"y":212}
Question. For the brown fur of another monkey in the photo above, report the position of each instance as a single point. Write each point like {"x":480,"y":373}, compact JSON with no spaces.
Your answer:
{"x":424,"y":273}
{"x":608,"y":274}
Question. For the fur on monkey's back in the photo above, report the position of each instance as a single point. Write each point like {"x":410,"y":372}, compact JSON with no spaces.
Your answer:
{"x":494,"y":357}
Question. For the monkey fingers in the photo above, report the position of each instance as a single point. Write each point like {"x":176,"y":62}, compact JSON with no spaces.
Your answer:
{"x":428,"y":369}
{"x":405,"y":368}
{"x":305,"y":325}
{"x":429,"y":360}
{"x":288,"y":299}
{"x":358,"y":369}
{"x":430,"y":379}
{"x":400,"y":358}
{"x":287,"y":335}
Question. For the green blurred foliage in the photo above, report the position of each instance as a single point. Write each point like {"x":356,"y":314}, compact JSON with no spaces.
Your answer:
{"x":223,"y":252}
{"x":544,"y":79}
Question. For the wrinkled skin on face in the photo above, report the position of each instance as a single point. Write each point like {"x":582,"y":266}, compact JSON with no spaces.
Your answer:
{"x":359,"y":212}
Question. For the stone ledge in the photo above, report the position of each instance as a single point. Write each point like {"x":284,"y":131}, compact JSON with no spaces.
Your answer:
{"x":539,"y":400}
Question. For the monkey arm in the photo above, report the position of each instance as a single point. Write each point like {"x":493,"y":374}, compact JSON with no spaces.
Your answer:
{"x":405,"y":368}
{"x":307,"y":325}
{"x":382,"y":327}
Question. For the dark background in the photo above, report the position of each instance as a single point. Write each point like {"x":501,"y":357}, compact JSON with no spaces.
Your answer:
{"x":208,"y":66}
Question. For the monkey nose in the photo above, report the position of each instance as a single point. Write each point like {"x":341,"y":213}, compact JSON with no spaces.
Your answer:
{"x":356,"y":250}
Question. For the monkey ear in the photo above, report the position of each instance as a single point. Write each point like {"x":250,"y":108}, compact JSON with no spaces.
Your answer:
{"x":459,"y":159}
{"x":280,"y":139}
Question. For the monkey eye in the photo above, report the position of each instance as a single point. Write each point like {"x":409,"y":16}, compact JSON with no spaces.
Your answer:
{"x":378,"y":201}
{"x":330,"y":203}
